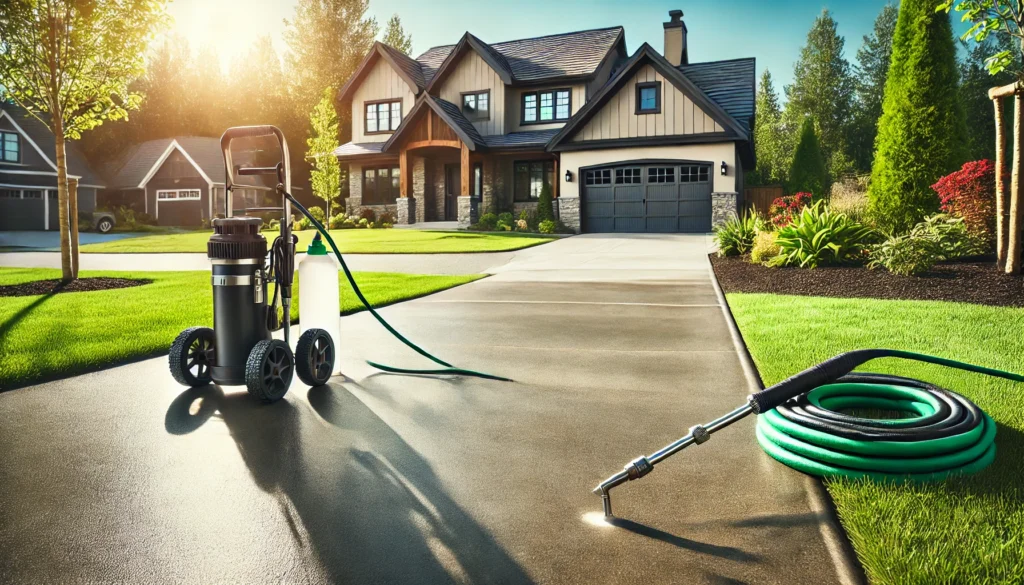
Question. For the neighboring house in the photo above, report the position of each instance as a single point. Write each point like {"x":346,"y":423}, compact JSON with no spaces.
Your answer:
{"x":28,"y":173}
{"x":642,"y":143}
{"x":178,"y":181}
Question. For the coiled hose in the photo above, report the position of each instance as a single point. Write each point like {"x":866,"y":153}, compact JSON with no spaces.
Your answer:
{"x":447,"y":369}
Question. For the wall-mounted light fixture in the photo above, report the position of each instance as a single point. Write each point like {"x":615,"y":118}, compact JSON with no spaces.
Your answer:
{"x":568,"y":176}
{"x":725,"y":169}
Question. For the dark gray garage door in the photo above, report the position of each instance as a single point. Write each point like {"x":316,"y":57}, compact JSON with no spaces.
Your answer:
{"x":22,"y":209}
{"x":660,"y":198}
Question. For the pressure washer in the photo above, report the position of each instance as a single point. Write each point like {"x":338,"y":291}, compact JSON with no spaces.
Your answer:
{"x":240,"y":348}
{"x":802,"y":423}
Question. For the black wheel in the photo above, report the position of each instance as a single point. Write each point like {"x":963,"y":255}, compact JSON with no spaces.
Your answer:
{"x":314,"y":357}
{"x":268,"y":373}
{"x":192,"y":355}
{"x":105,"y":225}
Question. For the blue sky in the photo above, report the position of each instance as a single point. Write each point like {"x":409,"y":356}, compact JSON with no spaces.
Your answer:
{"x":770,"y":30}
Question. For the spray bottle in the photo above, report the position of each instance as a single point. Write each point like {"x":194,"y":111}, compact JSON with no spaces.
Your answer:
{"x":319,"y":294}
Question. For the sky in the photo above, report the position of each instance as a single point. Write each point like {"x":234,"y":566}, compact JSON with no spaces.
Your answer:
{"x":773,"y":31}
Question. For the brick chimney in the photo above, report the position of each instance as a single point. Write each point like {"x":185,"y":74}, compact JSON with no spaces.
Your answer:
{"x":675,"y":39}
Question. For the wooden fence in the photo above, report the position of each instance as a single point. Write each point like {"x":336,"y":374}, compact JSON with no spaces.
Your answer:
{"x":760,"y":198}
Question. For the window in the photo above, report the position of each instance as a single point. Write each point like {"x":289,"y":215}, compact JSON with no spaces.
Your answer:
{"x":661,"y":175}
{"x":530,"y":177}
{"x":10,"y":194}
{"x":648,"y":97}
{"x":627,"y":176}
{"x":547,"y":106}
{"x":31,"y":194}
{"x":478,"y":180}
{"x":381,"y":185}
{"x":10,"y":148}
{"x":598,"y":177}
{"x":384,"y":116}
{"x":694,"y":174}
{"x":179,"y":195}
{"x":477,"y":105}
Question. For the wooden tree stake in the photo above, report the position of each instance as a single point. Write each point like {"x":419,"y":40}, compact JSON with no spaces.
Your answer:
{"x":1013,"y":243}
{"x":1001,"y":215}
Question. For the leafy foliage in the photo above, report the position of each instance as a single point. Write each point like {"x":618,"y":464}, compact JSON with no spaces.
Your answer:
{"x":325,"y":178}
{"x":545,"y":207}
{"x":548,"y":227}
{"x":394,"y":35}
{"x":922,"y":132}
{"x":736,"y":236}
{"x":872,"y":70}
{"x":819,"y":236}
{"x":975,"y":81}
{"x":850,"y":196}
{"x":770,"y":140}
{"x":784,"y":208}
{"x":765,"y":248}
{"x":970,"y":194}
{"x":937,"y":238}
{"x":808,"y":172}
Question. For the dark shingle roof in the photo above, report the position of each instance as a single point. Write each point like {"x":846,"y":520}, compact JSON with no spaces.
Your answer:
{"x":540,"y":58}
{"x":352,"y":149}
{"x":520,"y":139}
{"x":455,"y":113}
{"x":729,"y":83}
{"x":135,"y":163}
{"x":41,"y":135}
{"x":407,"y":64}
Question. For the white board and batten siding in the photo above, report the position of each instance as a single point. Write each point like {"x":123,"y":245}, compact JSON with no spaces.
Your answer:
{"x":618,"y":117}
{"x":381,"y":83}
{"x":471,"y":74}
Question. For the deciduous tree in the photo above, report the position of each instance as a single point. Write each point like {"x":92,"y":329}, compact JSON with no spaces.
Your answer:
{"x":325,"y":178}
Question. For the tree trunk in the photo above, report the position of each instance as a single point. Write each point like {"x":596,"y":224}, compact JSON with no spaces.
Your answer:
{"x":73,"y":212}
{"x":62,"y":200}
{"x":1001,"y":215}
{"x":1013,"y":243}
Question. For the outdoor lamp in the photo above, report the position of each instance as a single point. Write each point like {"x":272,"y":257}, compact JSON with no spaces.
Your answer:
{"x":568,"y":176}
{"x":725,"y":169}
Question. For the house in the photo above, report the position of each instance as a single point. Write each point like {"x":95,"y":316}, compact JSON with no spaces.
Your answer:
{"x":28,"y":173}
{"x":647,"y":142}
{"x":177,"y":181}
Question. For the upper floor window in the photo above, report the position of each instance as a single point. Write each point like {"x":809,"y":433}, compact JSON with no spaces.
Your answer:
{"x":648,"y":97}
{"x":477,"y":105}
{"x":10,"y":148}
{"x":541,"y":107}
{"x":383,"y":116}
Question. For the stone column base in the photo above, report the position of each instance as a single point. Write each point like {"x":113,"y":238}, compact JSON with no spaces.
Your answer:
{"x":723,"y":208}
{"x":406,"y":210}
{"x":353,"y":205}
{"x":469,"y":212}
{"x":569,"y":212}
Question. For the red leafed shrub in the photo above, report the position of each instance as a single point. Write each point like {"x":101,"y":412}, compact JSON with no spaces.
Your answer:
{"x":970,"y":193}
{"x":783,"y":209}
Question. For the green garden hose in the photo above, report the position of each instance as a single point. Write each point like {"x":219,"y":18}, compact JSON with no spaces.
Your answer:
{"x":448,"y":368}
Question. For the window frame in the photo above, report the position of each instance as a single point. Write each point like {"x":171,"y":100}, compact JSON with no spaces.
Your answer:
{"x":476,"y":117}
{"x":478,"y":181}
{"x":377,"y":104}
{"x":640,"y":86}
{"x":554,"y":106}
{"x":394,"y":172}
{"x":3,"y":147}
{"x":547,"y":170}
{"x":177,"y":195}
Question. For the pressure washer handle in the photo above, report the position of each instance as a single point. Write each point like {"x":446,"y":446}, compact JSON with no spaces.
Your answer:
{"x":827,"y":371}
{"x":254,"y":132}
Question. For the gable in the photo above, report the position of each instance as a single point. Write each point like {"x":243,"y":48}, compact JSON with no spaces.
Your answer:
{"x":382,"y":82}
{"x":30,"y":157}
{"x":176,"y":166}
{"x":617,"y":118}
{"x":472,"y":73}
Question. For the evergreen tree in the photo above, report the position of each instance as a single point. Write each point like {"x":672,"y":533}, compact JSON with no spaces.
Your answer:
{"x":823,"y":88}
{"x":394,"y":35}
{"x":769,"y":139}
{"x":922,"y":131}
{"x":808,"y":173}
{"x":325,"y":179}
{"x":872,"y":70}
{"x":545,"y":205}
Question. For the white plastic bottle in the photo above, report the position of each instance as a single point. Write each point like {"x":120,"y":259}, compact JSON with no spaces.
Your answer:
{"x":319,"y":295}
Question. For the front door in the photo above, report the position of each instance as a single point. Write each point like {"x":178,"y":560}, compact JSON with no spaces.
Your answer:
{"x":452,"y":188}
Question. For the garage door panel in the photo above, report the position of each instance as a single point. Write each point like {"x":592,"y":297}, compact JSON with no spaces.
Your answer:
{"x":663,"y":193}
{"x":629,"y":209}
{"x":669,"y":199}
{"x":629,"y":225}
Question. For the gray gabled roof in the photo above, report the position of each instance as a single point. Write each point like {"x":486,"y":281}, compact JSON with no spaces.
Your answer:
{"x":128,"y":171}
{"x":534,"y":138}
{"x":455,"y":115}
{"x":731,"y":84}
{"x":41,"y":135}
{"x":406,"y":64}
{"x":357,"y":149}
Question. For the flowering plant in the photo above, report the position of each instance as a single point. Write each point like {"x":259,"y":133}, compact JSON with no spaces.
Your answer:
{"x":970,"y":193}
{"x":783,"y":209}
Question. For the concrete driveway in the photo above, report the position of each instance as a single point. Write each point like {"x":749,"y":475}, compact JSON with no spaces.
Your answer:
{"x":617,"y":346}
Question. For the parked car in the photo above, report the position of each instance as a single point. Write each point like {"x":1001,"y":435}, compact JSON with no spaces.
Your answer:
{"x":102,"y":221}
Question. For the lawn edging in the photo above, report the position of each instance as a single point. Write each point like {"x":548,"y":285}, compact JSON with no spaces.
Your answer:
{"x":848,"y":568}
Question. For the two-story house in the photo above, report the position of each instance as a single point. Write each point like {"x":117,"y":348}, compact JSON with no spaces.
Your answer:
{"x":647,"y":142}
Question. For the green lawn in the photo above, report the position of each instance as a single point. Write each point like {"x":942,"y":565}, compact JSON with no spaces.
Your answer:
{"x":43,"y":337}
{"x":355,"y":241}
{"x":966,"y":531}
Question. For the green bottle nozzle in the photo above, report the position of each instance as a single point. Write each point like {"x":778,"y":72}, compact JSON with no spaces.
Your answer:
{"x":317,"y":248}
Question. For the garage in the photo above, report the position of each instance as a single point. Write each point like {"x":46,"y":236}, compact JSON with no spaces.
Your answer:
{"x":655,"y":198}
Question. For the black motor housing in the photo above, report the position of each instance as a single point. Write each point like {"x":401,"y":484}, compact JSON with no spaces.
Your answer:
{"x":237,"y":251}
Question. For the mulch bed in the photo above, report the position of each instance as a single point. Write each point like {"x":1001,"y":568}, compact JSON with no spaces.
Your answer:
{"x":45,"y":287}
{"x":966,"y":282}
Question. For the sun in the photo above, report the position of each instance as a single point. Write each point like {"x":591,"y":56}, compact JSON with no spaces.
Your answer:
{"x":229,"y":27}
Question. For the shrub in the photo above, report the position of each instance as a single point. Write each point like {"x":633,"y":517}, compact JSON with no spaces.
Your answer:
{"x":819,"y":236}
{"x":368,"y":214}
{"x":522,"y":226}
{"x":545,"y":207}
{"x":303,"y":224}
{"x":764,"y":248}
{"x":736,"y":236}
{"x":808,"y":171}
{"x":783,"y":209}
{"x":547,"y":226}
{"x":970,"y":193}
{"x":126,"y":217}
{"x":363,"y":222}
{"x":317,"y":213}
{"x":386,"y":217}
{"x":904,"y":255}
{"x":939,"y":237}
{"x":487,"y":221}
{"x":531,"y":219}
{"x":336,"y":221}
{"x":951,"y":236}
{"x":505,"y":222}
{"x":348,"y":224}
{"x":850,"y":196}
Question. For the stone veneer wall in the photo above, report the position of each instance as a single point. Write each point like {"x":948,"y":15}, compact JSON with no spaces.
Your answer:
{"x":569,"y":212}
{"x":723,"y":208}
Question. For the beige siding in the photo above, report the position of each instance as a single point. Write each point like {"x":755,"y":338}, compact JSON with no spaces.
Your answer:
{"x":617,"y":118}
{"x":515,"y":101}
{"x":472,"y":73}
{"x":382,"y":83}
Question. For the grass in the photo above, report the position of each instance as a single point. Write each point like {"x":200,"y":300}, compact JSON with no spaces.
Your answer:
{"x":50,"y":336}
{"x":965,"y":531}
{"x":352,"y":241}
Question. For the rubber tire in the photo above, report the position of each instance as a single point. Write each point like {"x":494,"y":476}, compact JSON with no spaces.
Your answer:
{"x":254,"y":379}
{"x":178,"y":357}
{"x":308,"y":373}
{"x":106,"y":221}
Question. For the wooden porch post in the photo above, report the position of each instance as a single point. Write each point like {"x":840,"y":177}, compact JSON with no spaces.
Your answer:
{"x":465,"y":168}
{"x":403,"y":171}
{"x":557,"y":181}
